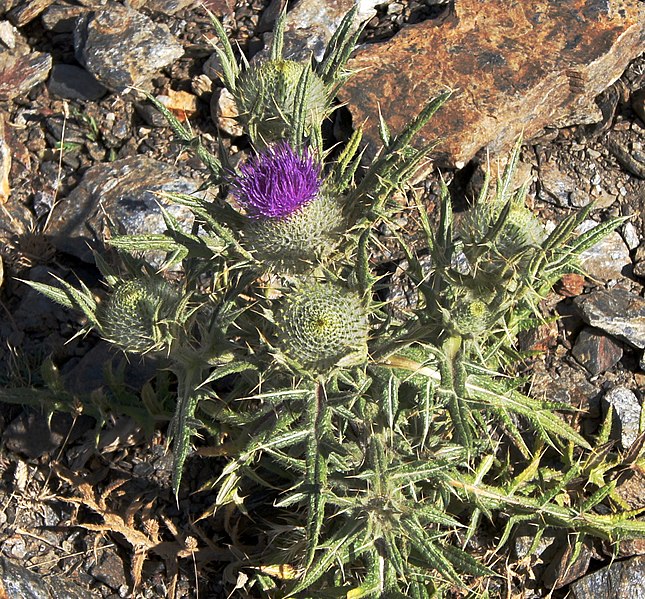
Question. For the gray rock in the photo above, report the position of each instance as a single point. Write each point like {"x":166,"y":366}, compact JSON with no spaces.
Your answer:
{"x":596,"y":351}
{"x":72,"y":82}
{"x":8,"y":34}
{"x":608,"y":260}
{"x":168,"y":7}
{"x":627,"y":415}
{"x":124,"y":192}
{"x":212,"y":68}
{"x":639,"y":261}
{"x":150,"y":115}
{"x":620,"y":580}
{"x":311,"y":23}
{"x":630,"y":235}
{"x":617,"y":312}
{"x":27,"y":11}
{"x":626,"y":148}
{"x":638,"y":103}
{"x":123,"y":48}
{"x":18,"y":582}
{"x":109,"y":570}
{"x":555,"y":186}
{"x":61,"y":18}
{"x":224,"y":113}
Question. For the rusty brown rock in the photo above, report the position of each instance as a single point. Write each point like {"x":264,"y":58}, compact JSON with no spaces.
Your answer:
{"x":517,"y":66}
{"x":596,"y":351}
{"x":570,"y":285}
{"x":219,"y":7}
{"x":19,"y":73}
{"x":26,"y":12}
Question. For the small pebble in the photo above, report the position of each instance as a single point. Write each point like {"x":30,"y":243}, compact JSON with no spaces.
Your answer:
{"x":630,"y":235}
{"x":627,"y":415}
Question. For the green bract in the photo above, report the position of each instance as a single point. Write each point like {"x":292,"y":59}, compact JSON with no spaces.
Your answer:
{"x":299,"y":241}
{"x":321,"y":326}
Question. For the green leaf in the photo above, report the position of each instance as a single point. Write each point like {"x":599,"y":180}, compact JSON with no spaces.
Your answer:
{"x":316,"y":475}
{"x":277,"y":44}
{"x":383,"y":129}
{"x":429,"y":553}
{"x":226,"y":56}
{"x":336,"y":549}
{"x":464,"y":562}
{"x":339,"y":48}
{"x":70,"y":297}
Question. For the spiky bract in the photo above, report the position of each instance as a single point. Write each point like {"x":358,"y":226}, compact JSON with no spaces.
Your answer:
{"x":303,"y":239}
{"x":470,"y":317}
{"x":277,"y":182}
{"x":265,"y":94}
{"x":139,"y":314}
{"x":321,"y":326}
{"x":517,"y":233}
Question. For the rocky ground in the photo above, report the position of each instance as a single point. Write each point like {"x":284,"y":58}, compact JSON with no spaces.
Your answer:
{"x":87,"y":509}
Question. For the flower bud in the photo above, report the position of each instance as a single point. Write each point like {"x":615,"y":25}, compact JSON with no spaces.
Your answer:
{"x":139,"y":314}
{"x":299,"y":241}
{"x":291,"y":225}
{"x":265,"y":95}
{"x":471,"y":317}
{"x":321,"y":326}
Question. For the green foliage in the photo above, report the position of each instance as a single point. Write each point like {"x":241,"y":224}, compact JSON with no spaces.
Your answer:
{"x":362,"y":451}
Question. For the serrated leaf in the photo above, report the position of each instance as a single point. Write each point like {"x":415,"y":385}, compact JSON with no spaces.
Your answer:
{"x":464,"y":562}
{"x":333,"y":550}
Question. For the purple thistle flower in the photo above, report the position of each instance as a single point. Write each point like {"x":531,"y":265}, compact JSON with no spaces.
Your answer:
{"x":277,"y":182}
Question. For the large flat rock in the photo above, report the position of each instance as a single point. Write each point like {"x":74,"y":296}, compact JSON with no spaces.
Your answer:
{"x":517,"y":66}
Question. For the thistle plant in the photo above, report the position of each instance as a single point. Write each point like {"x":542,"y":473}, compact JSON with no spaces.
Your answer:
{"x":361,"y":450}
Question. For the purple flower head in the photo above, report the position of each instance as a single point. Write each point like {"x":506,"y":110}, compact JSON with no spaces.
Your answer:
{"x":277,"y":182}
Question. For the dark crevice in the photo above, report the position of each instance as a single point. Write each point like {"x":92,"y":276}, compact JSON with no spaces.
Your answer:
{"x":389,"y":19}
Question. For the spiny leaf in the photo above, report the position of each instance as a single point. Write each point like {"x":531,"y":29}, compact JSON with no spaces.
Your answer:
{"x":226,"y":56}
{"x":277,"y":44}
{"x":464,"y":562}
{"x":70,"y":297}
{"x":316,"y":476}
{"x":338,"y":49}
{"x":429,"y":552}
{"x":336,"y":549}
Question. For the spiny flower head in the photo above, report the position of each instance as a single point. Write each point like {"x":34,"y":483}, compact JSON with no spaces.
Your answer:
{"x":321,"y":326}
{"x":266,"y":94}
{"x":139,"y":314}
{"x":300,"y":241}
{"x":277,"y":182}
